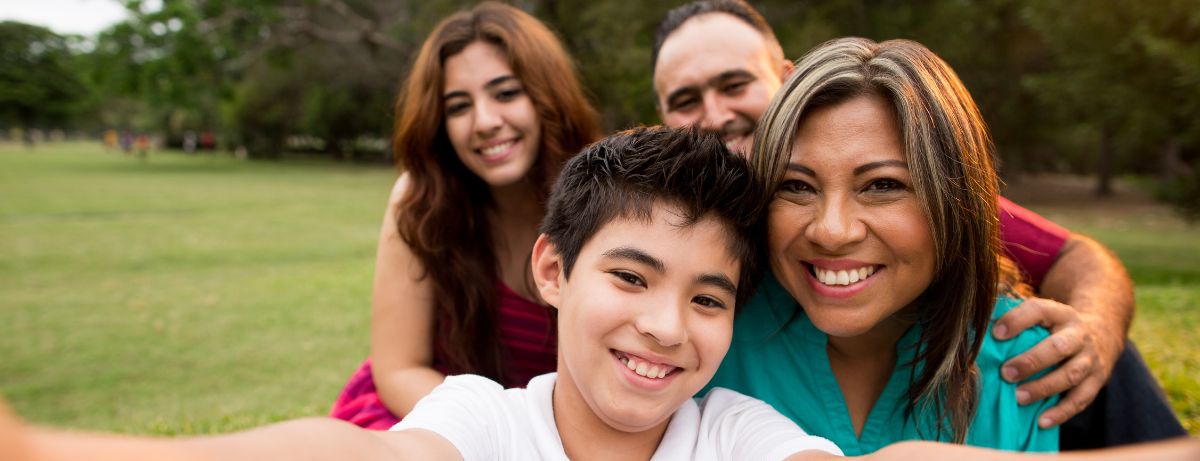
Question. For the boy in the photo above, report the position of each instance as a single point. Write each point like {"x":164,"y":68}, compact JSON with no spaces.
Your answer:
{"x":647,"y":248}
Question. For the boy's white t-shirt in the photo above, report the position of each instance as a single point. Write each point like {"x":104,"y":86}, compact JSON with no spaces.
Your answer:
{"x":485,"y":421}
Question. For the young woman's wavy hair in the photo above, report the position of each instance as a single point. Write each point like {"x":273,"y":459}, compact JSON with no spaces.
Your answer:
{"x":444,"y":216}
{"x":951,"y":161}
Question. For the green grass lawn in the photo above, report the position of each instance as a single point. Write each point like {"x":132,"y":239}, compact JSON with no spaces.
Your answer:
{"x":199,"y":294}
{"x":185,"y":294}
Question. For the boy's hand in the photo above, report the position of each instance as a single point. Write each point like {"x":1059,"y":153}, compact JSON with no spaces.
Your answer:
{"x":14,"y":436}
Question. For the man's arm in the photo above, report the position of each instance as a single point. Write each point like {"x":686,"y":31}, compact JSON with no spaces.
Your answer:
{"x":1089,"y":309}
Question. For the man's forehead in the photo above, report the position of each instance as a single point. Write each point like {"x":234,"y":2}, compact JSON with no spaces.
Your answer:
{"x":705,"y":46}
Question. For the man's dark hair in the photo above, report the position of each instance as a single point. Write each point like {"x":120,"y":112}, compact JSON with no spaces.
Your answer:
{"x":679,"y":15}
{"x":626,"y":174}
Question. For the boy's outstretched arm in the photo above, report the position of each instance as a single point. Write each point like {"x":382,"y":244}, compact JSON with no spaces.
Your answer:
{"x":305,"y":439}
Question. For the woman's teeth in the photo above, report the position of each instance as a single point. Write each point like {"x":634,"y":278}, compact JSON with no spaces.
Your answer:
{"x":643,"y":369}
{"x":496,"y":149}
{"x":842,"y":277}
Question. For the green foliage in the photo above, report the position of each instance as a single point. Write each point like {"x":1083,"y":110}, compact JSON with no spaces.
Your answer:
{"x":39,"y":85}
{"x":1183,"y":193}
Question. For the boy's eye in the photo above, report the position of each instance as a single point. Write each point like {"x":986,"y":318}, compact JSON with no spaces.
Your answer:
{"x":629,"y":277}
{"x":709,"y":301}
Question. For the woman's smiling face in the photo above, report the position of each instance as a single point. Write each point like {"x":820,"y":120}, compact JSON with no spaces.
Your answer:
{"x":848,"y":236}
{"x":490,"y":119}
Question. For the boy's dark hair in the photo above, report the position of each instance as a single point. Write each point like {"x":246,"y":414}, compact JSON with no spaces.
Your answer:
{"x":679,"y":15}
{"x":624,"y":175}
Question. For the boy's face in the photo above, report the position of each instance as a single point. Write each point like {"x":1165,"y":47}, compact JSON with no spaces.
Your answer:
{"x":651,"y":294}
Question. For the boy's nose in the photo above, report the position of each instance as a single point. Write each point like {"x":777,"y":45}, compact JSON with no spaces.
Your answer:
{"x":664,"y":324}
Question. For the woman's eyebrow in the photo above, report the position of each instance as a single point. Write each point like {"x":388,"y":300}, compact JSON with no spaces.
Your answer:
{"x":801,"y":169}
{"x":489,"y":85}
{"x":880,"y":164}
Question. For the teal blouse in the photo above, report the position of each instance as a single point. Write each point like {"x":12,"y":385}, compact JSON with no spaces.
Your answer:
{"x":786,"y":365}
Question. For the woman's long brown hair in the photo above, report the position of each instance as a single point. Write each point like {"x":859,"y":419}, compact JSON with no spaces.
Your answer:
{"x":444,"y":215}
{"x":950,"y":157}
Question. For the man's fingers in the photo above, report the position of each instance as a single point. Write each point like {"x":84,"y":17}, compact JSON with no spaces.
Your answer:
{"x":1052,"y":350}
{"x":1071,"y":374}
{"x":1033,"y":311}
{"x":1071,"y":404}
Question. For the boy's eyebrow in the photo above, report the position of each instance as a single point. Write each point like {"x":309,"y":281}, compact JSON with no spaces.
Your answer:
{"x":719,"y":281}
{"x":636,"y":255}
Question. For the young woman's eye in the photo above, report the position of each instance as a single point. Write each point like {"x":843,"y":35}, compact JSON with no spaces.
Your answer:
{"x":885,"y":185}
{"x":795,"y":186}
{"x":508,"y":94}
{"x":629,"y":278}
{"x":456,"y":108}
{"x":709,"y":301}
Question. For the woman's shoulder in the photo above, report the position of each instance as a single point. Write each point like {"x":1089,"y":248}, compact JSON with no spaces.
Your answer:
{"x":995,"y":352}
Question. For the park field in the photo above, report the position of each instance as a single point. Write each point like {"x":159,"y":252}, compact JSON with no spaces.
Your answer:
{"x":194,"y":294}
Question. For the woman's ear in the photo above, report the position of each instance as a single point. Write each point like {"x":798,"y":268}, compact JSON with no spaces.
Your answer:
{"x":547,"y":270}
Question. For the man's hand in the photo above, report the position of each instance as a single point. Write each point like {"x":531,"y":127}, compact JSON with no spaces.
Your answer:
{"x":1080,"y":344}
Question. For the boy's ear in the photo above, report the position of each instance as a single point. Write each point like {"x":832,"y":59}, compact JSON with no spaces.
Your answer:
{"x":547,"y":270}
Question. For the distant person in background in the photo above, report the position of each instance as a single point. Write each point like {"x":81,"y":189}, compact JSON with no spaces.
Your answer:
{"x":189,"y":141}
{"x":126,"y":142}
{"x":141,"y":145}
{"x":717,"y":64}
{"x":110,"y":139}
{"x":491,"y":109}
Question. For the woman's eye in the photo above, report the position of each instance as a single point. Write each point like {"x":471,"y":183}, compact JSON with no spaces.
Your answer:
{"x":709,"y":301}
{"x":508,"y":94}
{"x":457,"y":108}
{"x":885,"y":185}
{"x":794,"y":186}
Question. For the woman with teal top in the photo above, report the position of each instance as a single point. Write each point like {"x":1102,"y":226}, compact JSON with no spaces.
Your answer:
{"x":886,"y":268}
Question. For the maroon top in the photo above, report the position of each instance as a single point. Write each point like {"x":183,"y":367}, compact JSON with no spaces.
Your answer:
{"x":528,"y":341}
{"x":1033,"y":242}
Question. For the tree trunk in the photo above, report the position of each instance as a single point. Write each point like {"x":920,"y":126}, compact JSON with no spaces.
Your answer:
{"x":1104,"y":164}
{"x":1173,"y":165}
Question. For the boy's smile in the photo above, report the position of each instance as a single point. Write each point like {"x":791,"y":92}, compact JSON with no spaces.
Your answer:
{"x":644,"y":319}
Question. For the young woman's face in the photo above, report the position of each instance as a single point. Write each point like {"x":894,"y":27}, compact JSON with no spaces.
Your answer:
{"x":490,"y":119}
{"x":848,"y":237}
{"x":641,"y":295}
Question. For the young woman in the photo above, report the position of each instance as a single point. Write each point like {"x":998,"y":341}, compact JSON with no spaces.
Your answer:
{"x":885,"y":257}
{"x":491,"y":109}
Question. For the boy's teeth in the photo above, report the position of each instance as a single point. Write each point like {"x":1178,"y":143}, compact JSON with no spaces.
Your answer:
{"x":843,"y":277}
{"x":642,"y":369}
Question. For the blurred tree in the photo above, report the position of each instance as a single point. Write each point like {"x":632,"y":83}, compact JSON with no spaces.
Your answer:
{"x":39,"y":86}
{"x":1127,"y":72}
